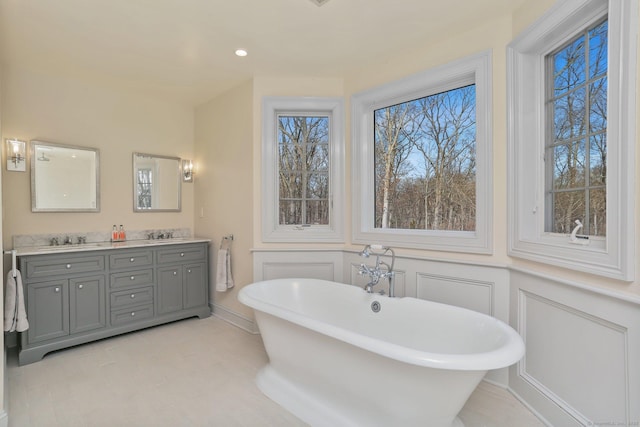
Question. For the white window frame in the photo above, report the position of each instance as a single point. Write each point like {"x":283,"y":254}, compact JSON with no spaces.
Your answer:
{"x":476,"y":70}
{"x":611,"y":256}
{"x":272,"y":231}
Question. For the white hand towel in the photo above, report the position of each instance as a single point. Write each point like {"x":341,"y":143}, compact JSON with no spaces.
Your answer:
{"x":224,"y":278}
{"x":15,"y":315}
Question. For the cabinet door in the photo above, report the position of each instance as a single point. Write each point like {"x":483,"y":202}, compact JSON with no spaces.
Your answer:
{"x":48,"y":310}
{"x":169,"y":289}
{"x":87,"y":304}
{"x":195,"y":285}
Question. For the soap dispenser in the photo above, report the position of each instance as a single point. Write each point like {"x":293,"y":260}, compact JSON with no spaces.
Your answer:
{"x":121,"y":234}
{"x":114,"y":234}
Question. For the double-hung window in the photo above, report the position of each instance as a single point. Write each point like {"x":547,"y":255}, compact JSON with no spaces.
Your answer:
{"x":421,"y":151}
{"x":571,"y":129}
{"x":302,"y":170}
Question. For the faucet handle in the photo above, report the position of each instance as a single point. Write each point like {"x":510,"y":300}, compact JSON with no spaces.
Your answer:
{"x":364,"y":269}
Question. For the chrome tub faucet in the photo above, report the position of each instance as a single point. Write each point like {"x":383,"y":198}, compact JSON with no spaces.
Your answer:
{"x":381,"y":270}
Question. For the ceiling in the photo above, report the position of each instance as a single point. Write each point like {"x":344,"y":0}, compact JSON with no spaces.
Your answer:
{"x":184,"y":49}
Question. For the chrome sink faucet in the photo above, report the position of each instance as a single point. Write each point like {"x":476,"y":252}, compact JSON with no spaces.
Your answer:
{"x":381,"y":270}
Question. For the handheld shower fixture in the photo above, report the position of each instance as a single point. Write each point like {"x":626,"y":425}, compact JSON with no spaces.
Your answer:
{"x":365,"y":253}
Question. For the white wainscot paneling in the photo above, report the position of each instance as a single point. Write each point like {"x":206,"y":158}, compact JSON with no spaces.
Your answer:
{"x":472,"y":294}
{"x":311,"y":270}
{"x":565,"y":344}
{"x":325,"y":265}
{"x":581,"y":364}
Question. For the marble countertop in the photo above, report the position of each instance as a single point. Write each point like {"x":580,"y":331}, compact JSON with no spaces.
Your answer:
{"x":97,"y":246}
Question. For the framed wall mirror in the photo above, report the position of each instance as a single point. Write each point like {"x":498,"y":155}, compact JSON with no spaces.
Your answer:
{"x":64,"y":178}
{"x":156,"y":183}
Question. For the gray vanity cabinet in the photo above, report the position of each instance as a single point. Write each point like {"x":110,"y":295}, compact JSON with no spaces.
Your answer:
{"x":182,"y":282}
{"x":65,"y":307}
{"x":131,"y":286}
{"x":51,"y":301}
{"x":62,"y":299}
{"x":87,"y":307}
{"x":77,"y":297}
{"x":194,"y":275}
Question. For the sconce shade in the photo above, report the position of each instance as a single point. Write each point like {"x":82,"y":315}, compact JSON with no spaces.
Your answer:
{"x":187,"y":171}
{"x":16,"y":155}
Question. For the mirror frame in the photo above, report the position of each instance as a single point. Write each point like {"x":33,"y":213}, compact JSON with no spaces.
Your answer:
{"x":32,"y":151}
{"x":135,"y":183}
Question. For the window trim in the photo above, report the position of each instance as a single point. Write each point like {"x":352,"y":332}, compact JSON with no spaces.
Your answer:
{"x":612,"y":256}
{"x":272,"y":231}
{"x":473,"y":69}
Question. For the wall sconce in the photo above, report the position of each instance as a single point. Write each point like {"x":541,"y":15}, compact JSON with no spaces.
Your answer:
{"x":16,"y":155}
{"x":187,"y":171}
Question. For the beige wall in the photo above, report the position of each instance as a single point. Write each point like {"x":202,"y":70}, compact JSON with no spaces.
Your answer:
{"x":223,"y":185}
{"x":78,"y":112}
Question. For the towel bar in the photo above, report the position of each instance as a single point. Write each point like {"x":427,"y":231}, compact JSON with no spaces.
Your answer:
{"x":14,"y":269}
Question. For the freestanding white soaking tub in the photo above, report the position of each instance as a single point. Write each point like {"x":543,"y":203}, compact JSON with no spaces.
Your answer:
{"x":339,"y":356}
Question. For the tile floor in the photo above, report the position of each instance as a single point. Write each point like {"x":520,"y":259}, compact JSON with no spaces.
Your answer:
{"x":188,"y":373}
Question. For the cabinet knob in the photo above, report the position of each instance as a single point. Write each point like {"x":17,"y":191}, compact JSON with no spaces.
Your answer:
{"x":133,"y":313}
{"x":132,"y":259}
{"x":80,"y":286}
{"x":68,"y":265}
{"x":56,"y":289}
{"x":133,"y":296}
{"x":181,"y":253}
{"x":133,"y":277}
{"x":175,"y":273}
{"x":189,"y":271}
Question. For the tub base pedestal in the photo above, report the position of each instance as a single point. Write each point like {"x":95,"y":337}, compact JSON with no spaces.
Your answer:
{"x":303,"y":404}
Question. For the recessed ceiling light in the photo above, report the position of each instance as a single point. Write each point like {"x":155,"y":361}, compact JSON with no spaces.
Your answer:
{"x":241,"y":52}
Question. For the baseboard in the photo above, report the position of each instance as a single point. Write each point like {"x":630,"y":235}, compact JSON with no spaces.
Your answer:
{"x":234,"y":318}
{"x":529,"y":407}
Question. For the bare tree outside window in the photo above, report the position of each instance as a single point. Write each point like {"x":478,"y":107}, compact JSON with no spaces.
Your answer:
{"x":425,"y":159}
{"x":303,"y":170}
{"x":576,"y":150}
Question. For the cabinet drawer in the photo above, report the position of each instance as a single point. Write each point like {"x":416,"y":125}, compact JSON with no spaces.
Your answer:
{"x":132,"y":278}
{"x":131,"y":315}
{"x":181,"y":253}
{"x":130,"y":259}
{"x":133,"y":297}
{"x":54,"y":265}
